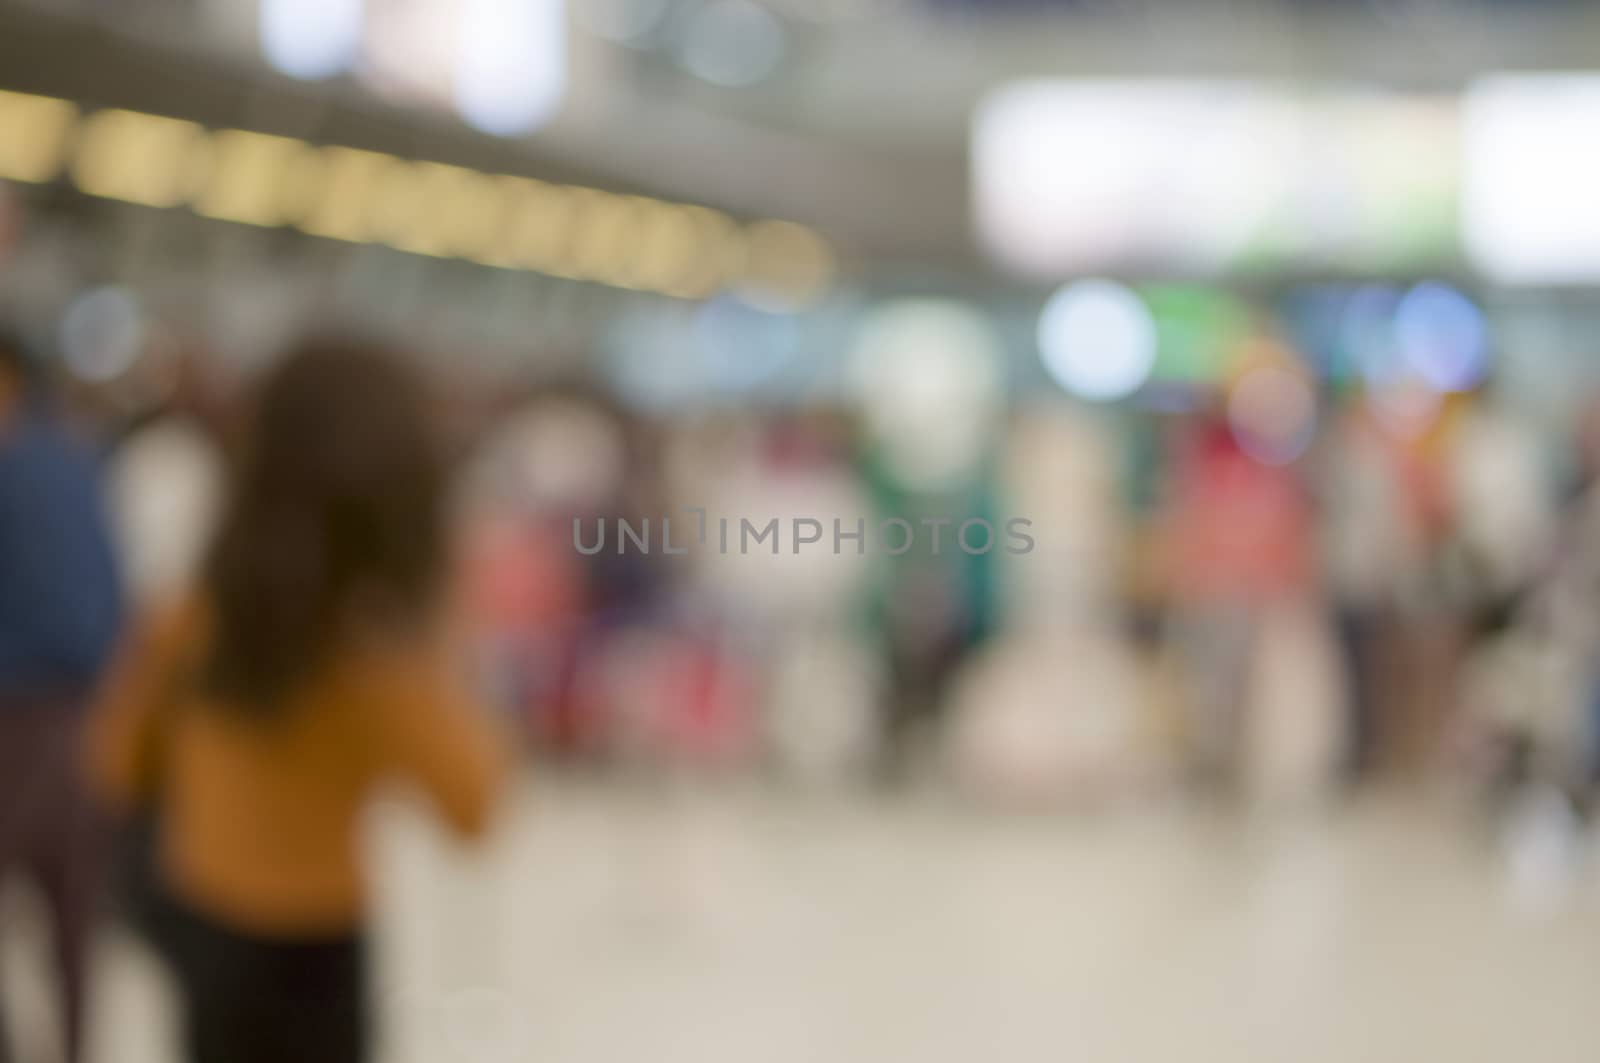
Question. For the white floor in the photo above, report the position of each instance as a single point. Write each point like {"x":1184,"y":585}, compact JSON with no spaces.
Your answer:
{"x":740,"y":925}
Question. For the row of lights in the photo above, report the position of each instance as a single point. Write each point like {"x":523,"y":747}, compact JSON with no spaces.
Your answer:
{"x":426,"y":208}
{"x":1100,"y":340}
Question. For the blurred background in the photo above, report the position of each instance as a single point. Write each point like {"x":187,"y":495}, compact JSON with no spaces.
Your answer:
{"x":1279,"y":320}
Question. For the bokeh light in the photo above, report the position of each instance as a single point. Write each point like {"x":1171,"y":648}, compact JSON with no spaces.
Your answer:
{"x":311,"y":39}
{"x":732,"y":43}
{"x":1098,"y":340}
{"x":102,"y":334}
{"x":1273,"y":413}
{"x":1198,"y":327}
{"x":1443,"y":337}
{"x":786,"y":266}
{"x":743,"y":345}
{"x":511,"y":74}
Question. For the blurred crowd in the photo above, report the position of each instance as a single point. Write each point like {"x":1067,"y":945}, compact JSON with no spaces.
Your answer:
{"x":1269,"y":586}
{"x":1267,"y":579}
{"x":929,"y":405}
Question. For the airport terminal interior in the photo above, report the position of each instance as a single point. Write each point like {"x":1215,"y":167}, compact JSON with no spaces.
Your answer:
{"x":1031,"y":529}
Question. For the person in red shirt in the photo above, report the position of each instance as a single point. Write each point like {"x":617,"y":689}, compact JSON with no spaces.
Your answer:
{"x":1239,"y":540}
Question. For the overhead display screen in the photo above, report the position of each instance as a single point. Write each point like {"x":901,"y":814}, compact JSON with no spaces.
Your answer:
{"x":1195,"y":178}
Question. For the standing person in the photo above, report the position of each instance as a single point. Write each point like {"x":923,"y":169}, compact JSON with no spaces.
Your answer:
{"x":1240,"y":549}
{"x":260,"y":715}
{"x":60,"y":603}
{"x":1371,"y":558}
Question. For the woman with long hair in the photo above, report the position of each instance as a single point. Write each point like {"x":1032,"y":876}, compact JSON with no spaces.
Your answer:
{"x":308,"y":668}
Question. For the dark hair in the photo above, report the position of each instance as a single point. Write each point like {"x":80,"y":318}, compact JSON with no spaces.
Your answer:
{"x":335,"y":526}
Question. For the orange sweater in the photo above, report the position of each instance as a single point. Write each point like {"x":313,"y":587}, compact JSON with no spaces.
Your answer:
{"x":260,"y":818}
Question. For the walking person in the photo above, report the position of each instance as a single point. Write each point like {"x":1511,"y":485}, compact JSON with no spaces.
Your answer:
{"x":60,"y":604}
{"x":259,"y":716}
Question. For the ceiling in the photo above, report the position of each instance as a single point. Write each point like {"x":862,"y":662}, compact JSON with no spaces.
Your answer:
{"x":862,"y":128}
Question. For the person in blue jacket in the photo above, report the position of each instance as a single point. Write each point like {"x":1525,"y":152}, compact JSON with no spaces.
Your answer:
{"x":60,"y":611}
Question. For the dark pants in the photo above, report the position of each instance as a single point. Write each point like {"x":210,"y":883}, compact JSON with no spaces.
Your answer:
{"x":250,"y":999}
{"x":50,"y":835}
{"x":1217,"y":641}
{"x":1359,"y":629}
